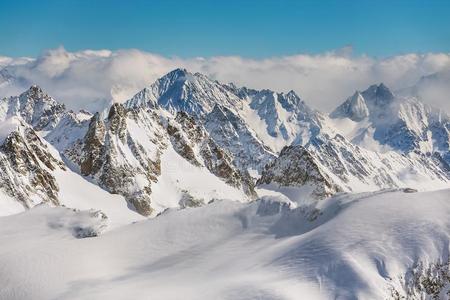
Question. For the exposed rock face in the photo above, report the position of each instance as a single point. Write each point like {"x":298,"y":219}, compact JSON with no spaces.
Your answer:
{"x":224,"y":132}
{"x":423,"y":281}
{"x":180,"y":90}
{"x":26,"y":166}
{"x":296,"y":167}
{"x":184,"y":135}
{"x":193,"y":143}
{"x":404,"y":124}
{"x":93,"y":147}
{"x":117,"y":120}
{"x":35,"y":107}
{"x":230,"y":132}
{"x":116,"y":159}
{"x":122,"y":153}
{"x":285,"y":117}
{"x":332,"y":165}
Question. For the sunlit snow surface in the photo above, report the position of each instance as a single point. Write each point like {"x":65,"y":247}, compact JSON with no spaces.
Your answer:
{"x":355,"y":246}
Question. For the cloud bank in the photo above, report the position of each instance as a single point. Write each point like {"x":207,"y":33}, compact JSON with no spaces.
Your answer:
{"x":93,"y":79}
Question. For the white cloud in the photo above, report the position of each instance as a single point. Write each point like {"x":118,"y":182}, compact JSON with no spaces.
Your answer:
{"x":92,"y":79}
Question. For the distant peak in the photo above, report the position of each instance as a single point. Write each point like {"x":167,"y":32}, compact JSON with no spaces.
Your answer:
{"x":379,"y":93}
{"x":291,"y":93}
{"x":354,"y":108}
{"x":382,"y":88}
{"x":35,"y":89}
{"x":357,"y":96}
{"x":179,"y":72}
{"x":34,"y":92}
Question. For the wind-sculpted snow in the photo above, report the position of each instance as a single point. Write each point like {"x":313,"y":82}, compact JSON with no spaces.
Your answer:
{"x":346,"y":247}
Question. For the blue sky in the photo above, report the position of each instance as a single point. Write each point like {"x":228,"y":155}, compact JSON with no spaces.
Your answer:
{"x":210,"y":28}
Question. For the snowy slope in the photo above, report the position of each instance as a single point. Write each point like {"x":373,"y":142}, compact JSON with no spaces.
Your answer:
{"x":9,"y":205}
{"x":347,"y":247}
{"x":76,"y":192}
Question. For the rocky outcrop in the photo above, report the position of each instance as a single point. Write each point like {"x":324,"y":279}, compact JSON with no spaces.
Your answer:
{"x":193,"y":143}
{"x":231,"y":133}
{"x":92,"y":158}
{"x":225,"y":133}
{"x":122,"y":152}
{"x":117,"y":161}
{"x":296,"y":167}
{"x":26,"y":168}
{"x":332,"y":165}
{"x":404,"y":124}
{"x":35,"y":107}
{"x":422,"y":281}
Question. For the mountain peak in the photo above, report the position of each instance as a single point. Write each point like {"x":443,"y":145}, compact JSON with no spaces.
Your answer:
{"x":35,"y":92}
{"x":292,"y":93}
{"x":180,"y":90}
{"x":36,"y":108}
{"x":378,"y":94}
{"x":354,"y":108}
{"x":178,"y":74}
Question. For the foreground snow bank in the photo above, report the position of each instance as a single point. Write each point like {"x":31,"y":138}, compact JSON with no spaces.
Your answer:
{"x":346,"y":247}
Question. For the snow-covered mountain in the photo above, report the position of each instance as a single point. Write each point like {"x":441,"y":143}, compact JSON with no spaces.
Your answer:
{"x":276,"y":119}
{"x":134,"y":152}
{"x":223,"y":138}
{"x":377,"y":118}
{"x":288,"y":201}
{"x":26,"y":165}
{"x":152,"y":158}
{"x":35,"y":107}
{"x":324,"y":167}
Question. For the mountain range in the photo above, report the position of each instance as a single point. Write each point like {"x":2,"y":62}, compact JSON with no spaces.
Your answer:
{"x":211,"y":191}
{"x":190,"y":137}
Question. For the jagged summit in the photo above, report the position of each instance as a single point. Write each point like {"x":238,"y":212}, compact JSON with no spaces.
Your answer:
{"x":180,"y":90}
{"x":401,"y":123}
{"x":227,"y":135}
{"x":354,"y":108}
{"x":34,"y":106}
{"x":373,"y":102}
{"x":277,"y":119}
{"x":378,"y":94}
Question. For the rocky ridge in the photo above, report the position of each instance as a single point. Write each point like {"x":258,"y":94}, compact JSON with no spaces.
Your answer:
{"x":234,"y":134}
